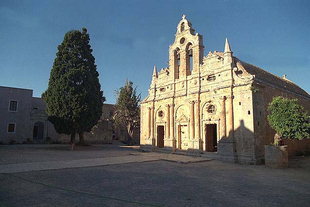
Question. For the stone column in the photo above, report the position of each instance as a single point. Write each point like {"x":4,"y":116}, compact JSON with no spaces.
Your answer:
{"x":223,"y":118}
{"x":230,"y":118}
{"x":149,"y":122}
{"x":172,"y":124}
{"x":168,"y":122}
{"x":182,"y":64}
{"x":198,"y":127}
{"x":192,"y":119}
{"x":197,"y":121}
{"x":152,"y":126}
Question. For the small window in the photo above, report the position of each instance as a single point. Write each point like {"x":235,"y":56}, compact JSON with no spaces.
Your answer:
{"x":239,"y":103}
{"x":161,"y":114}
{"x":162,"y":89}
{"x":258,"y":123}
{"x":211,"y":109}
{"x":211,"y":78}
{"x":11,"y":128}
{"x":182,"y":40}
{"x":13,"y":106}
{"x":249,"y":112}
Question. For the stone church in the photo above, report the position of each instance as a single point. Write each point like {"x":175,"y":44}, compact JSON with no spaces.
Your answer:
{"x":215,"y":103}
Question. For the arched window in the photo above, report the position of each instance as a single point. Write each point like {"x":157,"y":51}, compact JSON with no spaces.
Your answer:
{"x":182,"y":27}
{"x":177,"y":62}
{"x":189,"y":57}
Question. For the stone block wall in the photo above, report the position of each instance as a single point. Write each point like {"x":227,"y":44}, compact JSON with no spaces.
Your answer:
{"x":297,"y":147}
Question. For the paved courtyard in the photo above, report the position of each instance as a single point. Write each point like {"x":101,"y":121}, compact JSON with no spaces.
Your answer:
{"x":111,"y":175}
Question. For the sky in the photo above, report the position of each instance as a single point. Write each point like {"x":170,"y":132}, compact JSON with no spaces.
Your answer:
{"x":129,"y":37}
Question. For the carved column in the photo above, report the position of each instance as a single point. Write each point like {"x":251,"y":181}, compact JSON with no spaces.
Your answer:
{"x":172,"y":124}
{"x":223,"y":118}
{"x":152,"y":126}
{"x":230,"y":118}
{"x":192,"y":119}
{"x":197,"y":121}
{"x":168,"y":122}
{"x":149,"y":122}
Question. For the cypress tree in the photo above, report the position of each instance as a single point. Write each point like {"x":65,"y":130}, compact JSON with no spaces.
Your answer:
{"x":127,"y":110}
{"x":74,"y":99}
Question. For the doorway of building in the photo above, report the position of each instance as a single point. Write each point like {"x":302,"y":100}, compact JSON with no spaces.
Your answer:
{"x":211,"y":137}
{"x":160,"y":136}
{"x":38,"y":131}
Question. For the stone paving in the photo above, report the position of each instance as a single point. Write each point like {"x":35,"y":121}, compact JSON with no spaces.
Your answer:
{"x":134,"y":156}
{"x":163,"y":180}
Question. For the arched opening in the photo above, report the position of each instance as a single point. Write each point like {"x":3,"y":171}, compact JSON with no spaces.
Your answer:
{"x":182,"y":26}
{"x":38,"y":131}
{"x":189,"y":58}
{"x":177,"y":62}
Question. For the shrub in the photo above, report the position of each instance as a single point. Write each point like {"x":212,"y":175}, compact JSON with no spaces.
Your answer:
{"x":288,"y":118}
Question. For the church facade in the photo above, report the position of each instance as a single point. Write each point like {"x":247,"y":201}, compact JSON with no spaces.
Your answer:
{"x":215,"y":103}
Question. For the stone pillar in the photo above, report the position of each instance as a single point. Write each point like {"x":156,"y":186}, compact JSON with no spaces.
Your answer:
{"x":223,"y":118}
{"x":197,"y":126}
{"x":149,"y":122}
{"x":152,"y":126}
{"x":182,"y":64}
{"x":172,"y":124}
{"x":197,"y":121}
{"x":192,"y":119}
{"x":230,"y":118}
{"x":168,"y":122}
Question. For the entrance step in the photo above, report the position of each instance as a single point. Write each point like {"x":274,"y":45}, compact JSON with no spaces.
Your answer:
{"x":189,"y":152}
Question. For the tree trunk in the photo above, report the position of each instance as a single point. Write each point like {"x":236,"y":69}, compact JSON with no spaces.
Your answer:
{"x":72,"y":140}
{"x":130,"y":133}
{"x":81,"y":136}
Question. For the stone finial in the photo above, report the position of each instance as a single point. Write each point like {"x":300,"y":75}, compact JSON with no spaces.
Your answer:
{"x":227,"y":46}
{"x":183,"y":16}
{"x":284,"y":77}
{"x":155,"y":71}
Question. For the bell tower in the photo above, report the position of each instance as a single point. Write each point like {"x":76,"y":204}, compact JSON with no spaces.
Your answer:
{"x":186,"y":53}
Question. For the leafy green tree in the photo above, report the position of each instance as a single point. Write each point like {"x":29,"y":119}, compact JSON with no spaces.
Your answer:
{"x":288,"y":118}
{"x":74,"y":99}
{"x":127,"y":109}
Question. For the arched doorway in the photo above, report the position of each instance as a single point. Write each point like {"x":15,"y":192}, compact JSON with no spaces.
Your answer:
{"x":38,"y":131}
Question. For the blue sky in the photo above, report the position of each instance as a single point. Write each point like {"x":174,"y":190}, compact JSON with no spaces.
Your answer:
{"x":130,"y":36}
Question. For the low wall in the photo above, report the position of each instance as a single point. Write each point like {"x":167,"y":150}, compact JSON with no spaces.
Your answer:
{"x":297,"y":147}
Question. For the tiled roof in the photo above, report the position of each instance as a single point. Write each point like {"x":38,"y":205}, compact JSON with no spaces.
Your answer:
{"x":271,"y":78}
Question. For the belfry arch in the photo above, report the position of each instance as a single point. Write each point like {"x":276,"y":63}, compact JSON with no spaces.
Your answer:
{"x":189,"y":58}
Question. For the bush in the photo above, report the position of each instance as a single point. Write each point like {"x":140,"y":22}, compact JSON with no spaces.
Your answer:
{"x":288,"y":118}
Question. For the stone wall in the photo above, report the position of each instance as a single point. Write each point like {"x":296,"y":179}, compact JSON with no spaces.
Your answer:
{"x":20,"y":117}
{"x":101,"y":133}
{"x":262,"y":96}
{"x":297,"y":147}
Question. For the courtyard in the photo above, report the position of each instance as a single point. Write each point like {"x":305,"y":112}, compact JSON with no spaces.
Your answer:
{"x":114,"y":175}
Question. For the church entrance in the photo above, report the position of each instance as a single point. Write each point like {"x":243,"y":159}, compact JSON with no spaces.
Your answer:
{"x":160,"y":136}
{"x":211,"y":137}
